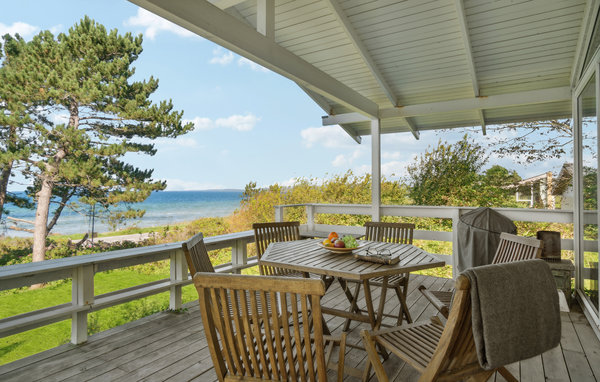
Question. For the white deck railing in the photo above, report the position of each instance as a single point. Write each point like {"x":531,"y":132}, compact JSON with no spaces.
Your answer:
{"x":81,"y":269}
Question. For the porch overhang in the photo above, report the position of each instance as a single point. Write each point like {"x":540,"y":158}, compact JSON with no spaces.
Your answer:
{"x":413,"y":65}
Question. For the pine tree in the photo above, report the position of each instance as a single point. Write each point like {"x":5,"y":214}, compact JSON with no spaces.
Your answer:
{"x":85,"y":77}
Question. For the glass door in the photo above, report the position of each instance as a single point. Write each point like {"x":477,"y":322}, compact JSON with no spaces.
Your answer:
{"x":588,"y":256}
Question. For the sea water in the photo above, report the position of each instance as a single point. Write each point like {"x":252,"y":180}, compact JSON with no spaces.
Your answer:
{"x":162,"y":208}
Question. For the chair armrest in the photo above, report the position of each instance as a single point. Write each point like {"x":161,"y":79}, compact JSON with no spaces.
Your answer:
{"x":438,"y":299}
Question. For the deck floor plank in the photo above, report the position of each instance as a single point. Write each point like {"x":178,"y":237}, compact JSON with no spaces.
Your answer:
{"x":172,"y":347}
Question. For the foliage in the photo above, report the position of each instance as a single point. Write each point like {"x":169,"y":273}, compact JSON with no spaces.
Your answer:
{"x":346,"y":188}
{"x":530,"y":142}
{"x":86,"y":76}
{"x":450,"y":175}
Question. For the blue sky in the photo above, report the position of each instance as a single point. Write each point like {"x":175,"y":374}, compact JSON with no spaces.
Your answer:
{"x":246,"y":117}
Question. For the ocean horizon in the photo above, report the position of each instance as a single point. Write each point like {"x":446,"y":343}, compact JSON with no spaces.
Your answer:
{"x":162,"y":208}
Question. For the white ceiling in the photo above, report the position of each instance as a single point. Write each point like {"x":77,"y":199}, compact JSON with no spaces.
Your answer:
{"x":415,"y":64}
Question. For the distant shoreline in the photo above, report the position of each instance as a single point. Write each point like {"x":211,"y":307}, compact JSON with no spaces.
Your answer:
{"x":162,"y":208}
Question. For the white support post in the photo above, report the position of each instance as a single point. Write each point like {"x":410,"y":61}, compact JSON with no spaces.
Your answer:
{"x":455,"y":220}
{"x":82,"y":293}
{"x":179,"y":272}
{"x":310,"y":217}
{"x":278,"y":213}
{"x":239,"y":255}
{"x":375,"y":170}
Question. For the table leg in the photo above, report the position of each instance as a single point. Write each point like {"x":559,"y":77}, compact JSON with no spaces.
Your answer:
{"x":381,"y":303}
{"x":375,"y":321}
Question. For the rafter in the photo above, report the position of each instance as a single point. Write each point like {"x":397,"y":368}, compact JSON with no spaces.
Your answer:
{"x":464,"y":31}
{"x":210,"y":22}
{"x":322,"y":102}
{"x":360,"y":47}
{"x":479,"y":103}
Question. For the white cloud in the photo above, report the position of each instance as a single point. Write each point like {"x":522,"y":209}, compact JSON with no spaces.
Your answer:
{"x":222,"y":57}
{"x":185,"y":185}
{"x":326,"y":136}
{"x":23,"y":29}
{"x":394,"y":168}
{"x":201,"y":123}
{"x":391,"y":155}
{"x":243,"y":61}
{"x":343,"y":160}
{"x":155,"y":24}
{"x":238,"y":122}
{"x":235,"y":122}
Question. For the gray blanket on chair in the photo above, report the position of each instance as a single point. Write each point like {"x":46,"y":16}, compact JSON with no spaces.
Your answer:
{"x":515,"y":311}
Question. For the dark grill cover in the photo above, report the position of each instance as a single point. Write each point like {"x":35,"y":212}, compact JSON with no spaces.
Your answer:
{"x":479,"y":236}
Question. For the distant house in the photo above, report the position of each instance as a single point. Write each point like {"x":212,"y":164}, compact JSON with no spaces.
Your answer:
{"x":536,"y":190}
{"x":563,"y":186}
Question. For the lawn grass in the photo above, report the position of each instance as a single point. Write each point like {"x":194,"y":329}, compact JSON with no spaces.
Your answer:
{"x":36,"y":340}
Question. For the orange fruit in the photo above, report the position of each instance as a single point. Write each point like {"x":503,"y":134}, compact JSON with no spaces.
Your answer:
{"x":332,"y":236}
{"x":327,"y":243}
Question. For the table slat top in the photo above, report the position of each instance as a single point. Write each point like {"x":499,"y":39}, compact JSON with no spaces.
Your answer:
{"x":309,"y":256}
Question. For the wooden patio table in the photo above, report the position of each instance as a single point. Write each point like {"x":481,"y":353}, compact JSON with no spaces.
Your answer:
{"x":308,"y":256}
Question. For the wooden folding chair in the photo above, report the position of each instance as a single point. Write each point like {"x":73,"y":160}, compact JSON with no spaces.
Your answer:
{"x":511,"y":248}
{"x":196,"y":255}
{"x":267,"y":348}
{"x":438,"y":352}
{"x":401,"y":233}
{"x":267,"y":233}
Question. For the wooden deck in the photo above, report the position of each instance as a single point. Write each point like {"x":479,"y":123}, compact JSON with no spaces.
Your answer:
{"x":172,"y":347}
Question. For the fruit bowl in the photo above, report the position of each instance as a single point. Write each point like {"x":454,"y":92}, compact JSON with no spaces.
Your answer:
{"x":340,"y":250}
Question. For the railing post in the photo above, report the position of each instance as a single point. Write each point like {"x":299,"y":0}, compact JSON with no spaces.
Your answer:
{"x":82,"y":294}
{"x":455,"y":220}
{"x":310,"y":217}
{"x":239,"y":254}
{"x":278,"y":213}
{"x":179,"y":272}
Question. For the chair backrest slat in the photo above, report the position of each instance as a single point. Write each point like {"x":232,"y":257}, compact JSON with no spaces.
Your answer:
{"x":399,"y":233}
{"x":517,"y":248}
{"x":267,"y":233}
{"x":196,"y":255}
{"x":269,"y":343}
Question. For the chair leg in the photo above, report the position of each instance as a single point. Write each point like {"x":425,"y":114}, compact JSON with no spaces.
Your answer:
{"x":372,"y":359}
{"x":341,"y":358}
{"x":481,"y":377}
{"x":507,"y":374}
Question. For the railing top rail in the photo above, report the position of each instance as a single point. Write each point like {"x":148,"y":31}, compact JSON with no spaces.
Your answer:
{"x":53,"y":265}
{"x":11,"y":271}
{"x":408,"y":206}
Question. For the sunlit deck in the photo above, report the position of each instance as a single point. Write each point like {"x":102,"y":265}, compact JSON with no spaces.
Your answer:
{"x":172,"y":346}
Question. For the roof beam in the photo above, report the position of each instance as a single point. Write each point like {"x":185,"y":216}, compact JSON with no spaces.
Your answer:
{"x":360,"y":47}
{"x":592,"y":11}
{"x":322,"y":102}
{"x":210,"y":22}
{"x":464,"y":30}
{"x":224,"y":4}
{"x":489,"y":102}
{"x":478,"y":103}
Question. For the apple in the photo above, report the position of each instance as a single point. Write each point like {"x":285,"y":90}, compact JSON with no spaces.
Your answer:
{"x":339,"y":244}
